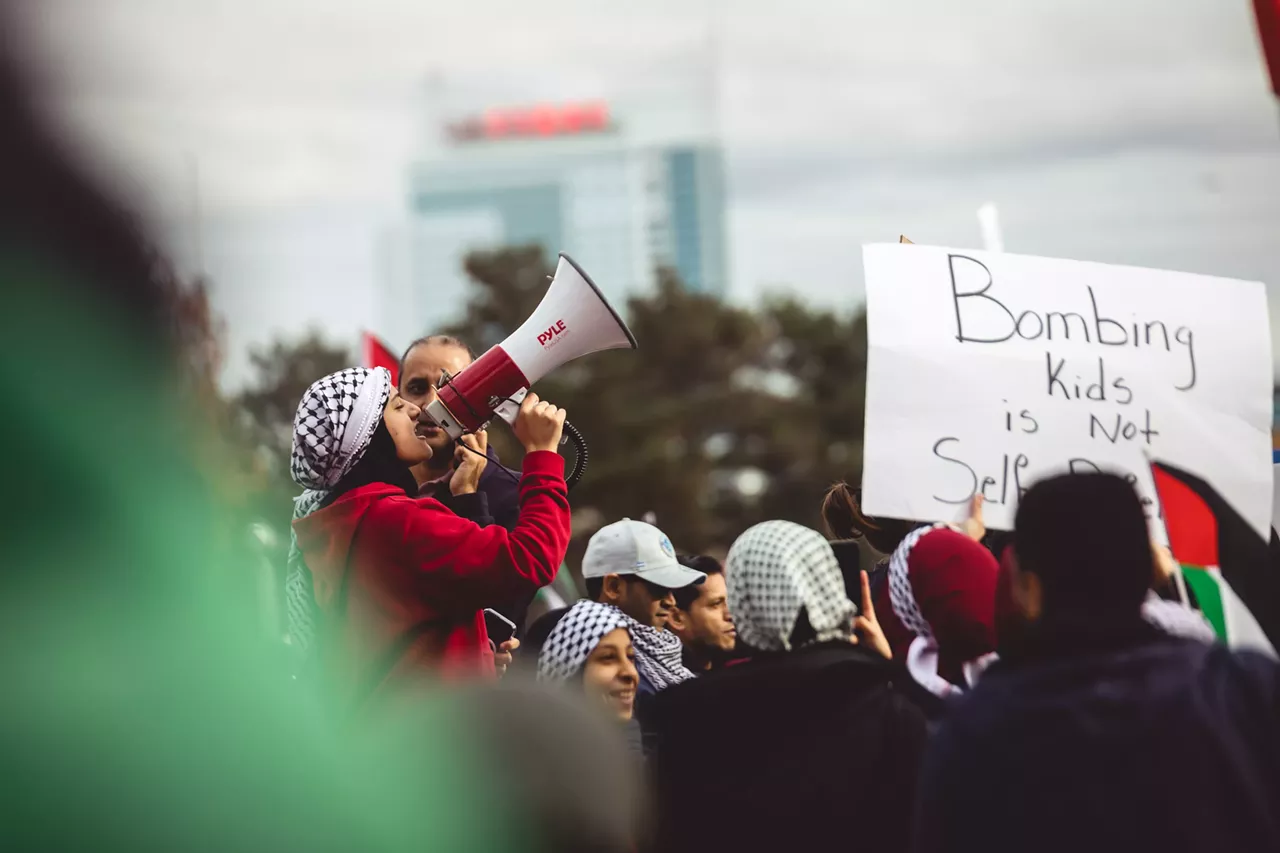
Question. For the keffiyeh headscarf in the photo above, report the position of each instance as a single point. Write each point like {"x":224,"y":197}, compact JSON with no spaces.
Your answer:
{"x":331,"y":432}
{"x":574,"y":637}
{"x":658,"y":655}
{"x":773,"y":570}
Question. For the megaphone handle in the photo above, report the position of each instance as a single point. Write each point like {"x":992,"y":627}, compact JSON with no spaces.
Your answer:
{"x":510,"y":407}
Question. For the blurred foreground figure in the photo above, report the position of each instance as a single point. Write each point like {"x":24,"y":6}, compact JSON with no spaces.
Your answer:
{"x":142,"y":709}
{"x":807,"y":745}
{"x":1098,"y":731}
{"x":558,"y":777}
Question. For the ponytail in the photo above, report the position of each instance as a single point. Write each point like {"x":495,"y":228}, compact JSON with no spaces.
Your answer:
{"x":843,"y":518}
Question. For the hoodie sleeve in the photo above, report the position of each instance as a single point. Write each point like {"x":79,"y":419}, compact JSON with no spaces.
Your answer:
{"x":455,"y":560}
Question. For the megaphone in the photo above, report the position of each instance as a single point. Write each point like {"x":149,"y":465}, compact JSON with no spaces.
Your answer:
{"x":572,"y":320}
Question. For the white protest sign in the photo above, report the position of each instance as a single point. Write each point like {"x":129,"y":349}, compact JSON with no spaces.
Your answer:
{"x":989,"y":371}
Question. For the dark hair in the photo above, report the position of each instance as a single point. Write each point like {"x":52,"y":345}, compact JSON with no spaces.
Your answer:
{"x":687,"y":595}
{"x":1085,"y":536}
{"x":843,"y":518}
{"x":380,"y":464}
{"x":595,"y":586}
{"x":536,"y":637}
{"x":443,"y":340}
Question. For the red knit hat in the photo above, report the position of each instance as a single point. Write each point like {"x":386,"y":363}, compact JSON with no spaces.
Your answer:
{"x":942,"y":600}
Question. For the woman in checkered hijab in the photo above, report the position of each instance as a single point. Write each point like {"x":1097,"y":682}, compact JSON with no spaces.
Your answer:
{"x":591,"y":644}
{"x":786,"y":590}
{"x":400,"y":581}
{"x":809,"y":736}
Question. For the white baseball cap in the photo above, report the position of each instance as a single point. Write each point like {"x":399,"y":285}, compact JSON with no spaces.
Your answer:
{"x":629,"y":547}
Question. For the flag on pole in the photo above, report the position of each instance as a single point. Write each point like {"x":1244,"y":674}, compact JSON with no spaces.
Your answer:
{"x":1268,"y":14}
{"x":374,"y":353}
{"x":1230,"y":570}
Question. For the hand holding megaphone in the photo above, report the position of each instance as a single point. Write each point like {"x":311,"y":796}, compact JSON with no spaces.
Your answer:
{"x":539,"y":425}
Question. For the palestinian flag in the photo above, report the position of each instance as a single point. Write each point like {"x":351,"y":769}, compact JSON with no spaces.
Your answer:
{"x":374,"y":353}
{"x":1231,"y":571}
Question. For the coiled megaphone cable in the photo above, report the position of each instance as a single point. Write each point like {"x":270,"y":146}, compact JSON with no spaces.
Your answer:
{"x":580,"y":456}
{"x":572,"y":435}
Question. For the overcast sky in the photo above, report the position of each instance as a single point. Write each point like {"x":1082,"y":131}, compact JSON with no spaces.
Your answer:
{"x":1126,"y":131}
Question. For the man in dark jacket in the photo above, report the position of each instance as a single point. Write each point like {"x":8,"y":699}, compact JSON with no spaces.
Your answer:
{"x":807,"y":745}
{"x":1096,"y":731}
{"x":496,"y":500}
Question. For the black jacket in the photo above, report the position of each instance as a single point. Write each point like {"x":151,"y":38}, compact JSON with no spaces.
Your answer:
{"x":807,"y":750}
{"x":1143,"y":743}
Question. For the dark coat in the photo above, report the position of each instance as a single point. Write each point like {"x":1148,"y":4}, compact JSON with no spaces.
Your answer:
{"x":1142,"y":743}
{"x":808,"y":750}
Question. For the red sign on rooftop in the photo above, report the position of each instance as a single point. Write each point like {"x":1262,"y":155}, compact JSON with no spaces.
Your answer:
{"x":542,"y":120}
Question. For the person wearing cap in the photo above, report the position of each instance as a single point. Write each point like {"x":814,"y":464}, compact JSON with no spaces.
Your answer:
{"x":632,"y":565}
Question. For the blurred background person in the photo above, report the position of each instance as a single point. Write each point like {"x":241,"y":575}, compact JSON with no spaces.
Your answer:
{"x":701,"y":617}
{"x":809,"y":740}
{"x":400,"y":581}
{"x":844,"y":521}
{"x":1097,"y":720}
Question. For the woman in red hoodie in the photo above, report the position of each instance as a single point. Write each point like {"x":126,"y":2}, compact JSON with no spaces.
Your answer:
{"x":397,"y":583}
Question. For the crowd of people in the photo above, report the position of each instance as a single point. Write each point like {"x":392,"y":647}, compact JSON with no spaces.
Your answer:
{"x":1041,"y":689}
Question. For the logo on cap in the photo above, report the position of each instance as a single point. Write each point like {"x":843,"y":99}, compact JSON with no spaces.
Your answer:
{"x":665,"y":544}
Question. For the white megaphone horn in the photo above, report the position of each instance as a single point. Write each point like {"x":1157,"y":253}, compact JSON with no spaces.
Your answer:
{"x":572,"y":320}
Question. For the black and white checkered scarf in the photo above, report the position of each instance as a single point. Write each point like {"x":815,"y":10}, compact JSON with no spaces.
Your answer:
{"x":335,"y":422}
{"x":574,"y":637}
{"x":658,"y":653}
{"x":773,"y":570}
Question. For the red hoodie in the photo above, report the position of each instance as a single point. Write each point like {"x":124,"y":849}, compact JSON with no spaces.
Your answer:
{"x":400,"y":582}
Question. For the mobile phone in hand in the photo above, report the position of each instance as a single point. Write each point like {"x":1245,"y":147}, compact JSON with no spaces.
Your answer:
{"x":499,"y":627}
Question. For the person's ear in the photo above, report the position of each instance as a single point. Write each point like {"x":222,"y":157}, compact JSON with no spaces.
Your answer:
{"x":613,"y":588}
{"x":1028,"y":592}
{"x":677,"y":619}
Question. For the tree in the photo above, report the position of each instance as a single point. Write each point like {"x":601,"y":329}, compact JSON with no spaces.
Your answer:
{"x":264,"y":412}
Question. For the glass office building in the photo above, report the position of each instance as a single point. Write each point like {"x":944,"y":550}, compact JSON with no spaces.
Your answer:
{"x":621,"y":210}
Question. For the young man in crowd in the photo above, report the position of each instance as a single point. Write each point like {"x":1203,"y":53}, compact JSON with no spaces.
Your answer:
{"x":632,"y":565}
{"x":701,"y":617}
{"x":1097,"y":730}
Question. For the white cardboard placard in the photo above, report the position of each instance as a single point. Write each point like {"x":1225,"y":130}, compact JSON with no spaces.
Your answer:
{"x":989,"y":371}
